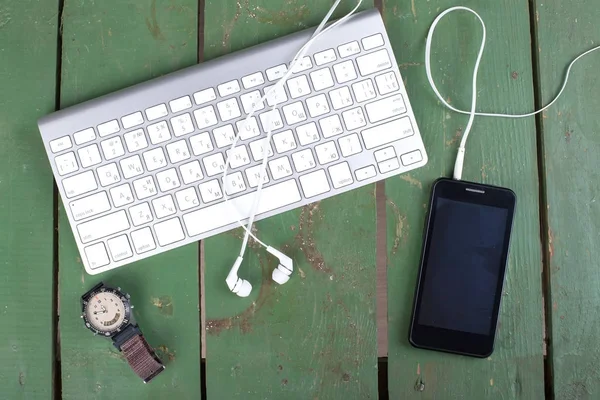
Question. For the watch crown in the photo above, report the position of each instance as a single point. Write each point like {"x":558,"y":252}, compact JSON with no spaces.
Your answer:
{"x":132,"y":306}
{"x":119,"y":288}
{"x":127,"y":295}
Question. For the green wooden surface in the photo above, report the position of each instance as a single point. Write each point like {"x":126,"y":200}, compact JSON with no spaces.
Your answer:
{"x":571,"y":140}
{"x":108,"y":45}
{"x":315,"y":337}
{"x":500,"y":152}
{"x":27,"y":82}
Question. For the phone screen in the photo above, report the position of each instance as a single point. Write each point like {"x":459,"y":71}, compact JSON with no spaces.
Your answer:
{"x":463,"y":266}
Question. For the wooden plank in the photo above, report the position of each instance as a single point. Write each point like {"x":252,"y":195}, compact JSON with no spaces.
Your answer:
{"x":28,"y":82}
{"x":571,"y":146}
{"x":500,"y":152}
{"x":315,"y":337}
{"x":109,"y":45}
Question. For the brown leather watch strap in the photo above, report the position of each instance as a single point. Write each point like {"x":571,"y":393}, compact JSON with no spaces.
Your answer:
{"x":141,"y":358}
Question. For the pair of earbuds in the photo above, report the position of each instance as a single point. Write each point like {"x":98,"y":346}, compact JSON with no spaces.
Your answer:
{"x":281,"y":274}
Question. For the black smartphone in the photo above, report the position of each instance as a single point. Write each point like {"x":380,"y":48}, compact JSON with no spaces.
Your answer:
{"x":463,"y":262}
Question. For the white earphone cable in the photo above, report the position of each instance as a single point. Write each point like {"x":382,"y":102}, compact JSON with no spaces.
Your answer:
{"x":458,"y":166}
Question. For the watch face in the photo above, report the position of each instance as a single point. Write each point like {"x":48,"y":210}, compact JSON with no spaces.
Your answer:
{"x":106,"y":311}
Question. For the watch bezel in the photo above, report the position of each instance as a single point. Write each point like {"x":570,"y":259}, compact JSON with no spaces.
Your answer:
{"x":126,"y":303}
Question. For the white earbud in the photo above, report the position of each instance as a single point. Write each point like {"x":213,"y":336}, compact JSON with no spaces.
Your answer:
{"x":282,"y":273}
{"x":237,"y":285}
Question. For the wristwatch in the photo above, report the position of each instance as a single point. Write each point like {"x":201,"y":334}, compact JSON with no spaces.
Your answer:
{"x":107,"y":311}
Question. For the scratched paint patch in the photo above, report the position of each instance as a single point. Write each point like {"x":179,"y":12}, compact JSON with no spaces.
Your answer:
{"x":4,"y":17}
{"x":164,"y":304}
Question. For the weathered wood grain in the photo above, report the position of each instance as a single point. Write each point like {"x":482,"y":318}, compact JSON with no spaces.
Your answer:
{"x":500,"y":152}
{"x":108,"y":45}
{"x":27,"y":82}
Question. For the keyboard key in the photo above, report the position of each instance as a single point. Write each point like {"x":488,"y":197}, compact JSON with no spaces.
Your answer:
{"x":66,"y":163}
{"x":79,"y":184}
{"x":229,"y":88}
{"x":341,"y":98}
{"x":277,"y":72}
{"x":163,"y":206}
{"x":251,"y":100}
{"x":229,"y":109}
{"x":235,"y":184}
{"x":135,"y":140}
{"x":325,"y":57}
{"x":214,"y":164}
{"x":275,"y":95}
{"x":321,"y":79}
{"x":294,"y":113}
{"x":317,"y":105}
{"x":238,"y":156}
{"x":253,"y":175}
{"x":131,"y":120}
{"x":108,"y":174}
{"x":178,"y":151}
{"x":140,"y":214}
{"x":144,"y":187}
{"x":112,"y":148}
{"x":271,"y":118}
{"x":154,"y":159}
{"x":331,"y":126}
{"x":284,"y":141}
{"x":248,"y":128}
{"x":302,"y":65}
{"x":344,"y":71}
{"x":180,"y":104}
{"x":156,"y":112}
{"x":219,"y":215}
{"x":205,"y":117}
{"x":89,"y":155}
{"x":142,"y":240}
{"x":108,"y":128}
{"x":61,"y":144}
{"x":350,"y":145}
{"x":119,"y":248}
{"x":224,"y":136}
{"x":411,"y":158}
{"x":371,"y":42}
{"x":187,"y":199}
{"x":85,"y":136}
{"x":159,"y":132}
{"x":168,"y":180}
{"x":364,"y":90}
{"x":307,"y":134}
{"x":385,"y":154}
{"x":349,"y":49}
{"x":340,"y":175}
{"x":354,"y":118}
{"x":365,"y":173}
{"x":389,"y":165}
{"x":387,"y":83}
{"x":182,"y":125}
{"x":210,"y":191}
{"x":374,"y":62}
{"x":201,"y":143}
{"x":303,"y":160}
{"x":89,"y":206}
{"x":327,"y":152}
{"x":257,"y":150}
{"x":386,"y":108}
{"x":205,"y":96}
{"x":387,"y":133}
{"x":191,"y":172}
{"x":280,"y":168}
{"x":131,"y":166}
{"x":169,"y":232}
{"x":121,"y":195}
{"x":314,"y":184}
{"x":102,"y":227}
{"x":298,"y":87}
{"x":96,"y":255}
{"x":253,"y":80}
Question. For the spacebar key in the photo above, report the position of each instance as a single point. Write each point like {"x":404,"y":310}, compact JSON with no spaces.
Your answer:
{"x":222,"y":214}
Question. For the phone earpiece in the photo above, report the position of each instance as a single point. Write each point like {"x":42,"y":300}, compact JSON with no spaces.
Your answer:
{"x":282,"y":273}
{"x":237,"y":285}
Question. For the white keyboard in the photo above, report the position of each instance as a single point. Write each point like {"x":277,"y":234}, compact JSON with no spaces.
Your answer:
{"x":140,"y":170}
